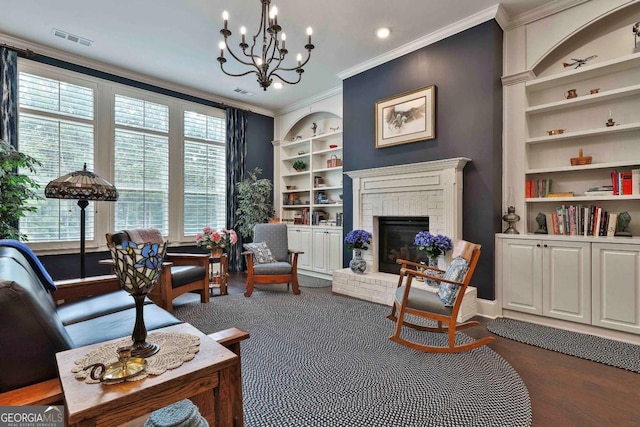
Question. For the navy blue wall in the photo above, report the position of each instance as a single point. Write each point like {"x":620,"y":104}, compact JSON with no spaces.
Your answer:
{"x":466,"y":70}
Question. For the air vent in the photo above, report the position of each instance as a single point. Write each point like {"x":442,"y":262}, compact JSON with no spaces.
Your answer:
{"x":72,"y":38}
{"x":243,"y":92}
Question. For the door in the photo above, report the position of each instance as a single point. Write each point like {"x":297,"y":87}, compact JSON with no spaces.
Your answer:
{"x":566,"y":280}
{"x":300,"y":240}
{"x":521,"y":275}
{"x":616,"y":286}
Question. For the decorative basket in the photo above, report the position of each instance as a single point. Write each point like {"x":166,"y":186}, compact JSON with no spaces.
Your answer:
{"x":580,"y":160}
{"x":334,"y":161}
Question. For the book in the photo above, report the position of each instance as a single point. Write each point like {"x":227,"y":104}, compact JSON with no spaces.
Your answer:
{"x":626,"y":182}
{"x":551,"y":229}
{"x":567,"y":194}
{"x":635,"y":181}
{"x":611,"y":226}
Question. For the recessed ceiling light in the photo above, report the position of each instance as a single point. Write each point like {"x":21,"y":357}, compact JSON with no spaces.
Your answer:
{"x":277,"y":85}
{"x":383,"y":32}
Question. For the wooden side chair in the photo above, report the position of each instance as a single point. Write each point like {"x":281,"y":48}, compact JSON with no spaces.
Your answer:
{"x":269,"y":259}
{"x":181,"y":273}
{"x":442,"y":306}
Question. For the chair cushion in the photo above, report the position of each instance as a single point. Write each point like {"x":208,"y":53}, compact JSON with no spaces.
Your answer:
{"x":261,"y":253}
{"x":424,"y":300}
{"x":272,"y":268}
{"x":456,"y":271}
{"x":95,"y":306}
{"x":275,"y":236}
{"x":184,"y":274}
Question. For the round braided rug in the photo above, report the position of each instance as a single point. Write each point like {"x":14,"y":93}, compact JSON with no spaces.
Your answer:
{"x":325,"y":360}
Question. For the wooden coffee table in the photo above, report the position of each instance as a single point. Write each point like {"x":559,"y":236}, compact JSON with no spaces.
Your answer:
{"x":208,"y":381}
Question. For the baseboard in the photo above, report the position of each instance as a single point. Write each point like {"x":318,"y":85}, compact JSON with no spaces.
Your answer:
{"x":488,"y":308}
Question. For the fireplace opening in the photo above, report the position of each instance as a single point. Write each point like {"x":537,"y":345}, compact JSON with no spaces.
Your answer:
{"x":395,"y":240}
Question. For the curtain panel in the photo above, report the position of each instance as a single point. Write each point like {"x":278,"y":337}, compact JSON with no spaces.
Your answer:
{"x":9,"y":96}
{"x":236,"y":154}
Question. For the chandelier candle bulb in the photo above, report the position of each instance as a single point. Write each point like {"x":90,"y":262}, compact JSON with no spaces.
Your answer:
{"x":225,"y":17}
{"x":284,"y":39}
{"x":243,"y":31}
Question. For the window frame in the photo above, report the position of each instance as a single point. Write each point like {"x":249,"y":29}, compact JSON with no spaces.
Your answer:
{"x":104,"y":140}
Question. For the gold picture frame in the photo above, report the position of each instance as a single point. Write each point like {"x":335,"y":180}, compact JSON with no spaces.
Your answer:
{"x":405,"y":118}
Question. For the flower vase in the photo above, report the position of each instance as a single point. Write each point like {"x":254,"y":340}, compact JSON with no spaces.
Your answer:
{"x":433,"y":262}
{"x":216,"y":252}
{"x":357,"y":264}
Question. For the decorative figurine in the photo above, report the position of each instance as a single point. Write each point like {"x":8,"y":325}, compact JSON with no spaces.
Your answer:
{"x":571,"y":93}
{"x":511,"y":218}
{"x":622,"y":225}
{"x":610,"y":123}
{"x":541,"y":219}
{"x":314,"y":128}
{"x":636,"y":33}
{"x":578,"y":62}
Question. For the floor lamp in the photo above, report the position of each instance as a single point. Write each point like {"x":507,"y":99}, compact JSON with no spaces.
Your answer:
{"x":82,"y":186}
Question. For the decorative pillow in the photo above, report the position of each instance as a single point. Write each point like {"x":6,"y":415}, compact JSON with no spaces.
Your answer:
{"x":456,"y":272}
{"x":261,"y":252}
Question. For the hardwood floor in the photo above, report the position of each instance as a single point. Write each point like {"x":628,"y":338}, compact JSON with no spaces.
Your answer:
{"x":565,"y":391}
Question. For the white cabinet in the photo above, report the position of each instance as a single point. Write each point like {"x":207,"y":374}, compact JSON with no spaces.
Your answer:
{"x":327,"y":250}
{"x":300,"y":239}
{"x":547,"y":277}
{"x":616,"y":286}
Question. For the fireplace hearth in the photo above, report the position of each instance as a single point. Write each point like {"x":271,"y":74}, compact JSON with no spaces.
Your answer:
{"x":395,"y":241}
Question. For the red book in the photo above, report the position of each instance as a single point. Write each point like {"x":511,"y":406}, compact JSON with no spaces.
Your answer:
{"x":627,"y":183}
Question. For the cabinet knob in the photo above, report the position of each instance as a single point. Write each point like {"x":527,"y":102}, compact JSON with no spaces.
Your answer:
{"x":546,"y":246}
{"x":538,"y":245}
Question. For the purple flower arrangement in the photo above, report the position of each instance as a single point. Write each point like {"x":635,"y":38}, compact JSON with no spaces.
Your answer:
{"x":432,"y":245}
{"x":358,"y":239}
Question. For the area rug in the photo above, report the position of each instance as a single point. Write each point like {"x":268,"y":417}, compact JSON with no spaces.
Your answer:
{"x":312,"y":282}
{"x":590,"y":347}
{"x":318,"y":359}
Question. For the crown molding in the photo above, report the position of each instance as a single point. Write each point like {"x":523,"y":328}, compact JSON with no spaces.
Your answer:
{"x":502,"y":17}
{"x":541,"y":12}
{"x":39,"y":49}
{"x":442,"y":33}
{"x":311,"y":100}
{"x":516,"y":78}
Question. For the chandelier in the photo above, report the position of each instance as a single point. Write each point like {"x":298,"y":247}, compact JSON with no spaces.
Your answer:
{"x":264,"y":60}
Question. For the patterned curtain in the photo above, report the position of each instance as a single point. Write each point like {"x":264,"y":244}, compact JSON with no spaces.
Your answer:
{"x":236,"y":153}
{"x":9,"y":96}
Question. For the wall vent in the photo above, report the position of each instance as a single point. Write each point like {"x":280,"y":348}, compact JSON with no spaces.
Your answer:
{"x":243,"y":92}
{"x":72,"y":38}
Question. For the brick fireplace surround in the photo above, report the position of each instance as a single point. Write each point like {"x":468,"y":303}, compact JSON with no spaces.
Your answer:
{"x":432,"y":189}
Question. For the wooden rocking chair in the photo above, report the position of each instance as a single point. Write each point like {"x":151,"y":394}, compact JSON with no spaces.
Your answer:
{"x":430,"y":305}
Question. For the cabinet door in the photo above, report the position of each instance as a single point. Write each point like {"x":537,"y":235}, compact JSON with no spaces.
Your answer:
{"x":521,"y":275}
{"x":300,"y":239}
{"x":320,"y":262}
{"x":566,"y":281}
{"x":334,"y":250}
{"x":616,"y":286}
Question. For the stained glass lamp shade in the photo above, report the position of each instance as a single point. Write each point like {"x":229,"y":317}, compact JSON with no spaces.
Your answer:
{"x":83,"y":186}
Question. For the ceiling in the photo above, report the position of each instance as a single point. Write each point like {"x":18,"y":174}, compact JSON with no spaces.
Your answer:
{"x":177,"y":41}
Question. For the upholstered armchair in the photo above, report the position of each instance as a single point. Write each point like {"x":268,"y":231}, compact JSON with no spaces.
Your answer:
{"x":269,"y":259}
{"x":181,"y":273}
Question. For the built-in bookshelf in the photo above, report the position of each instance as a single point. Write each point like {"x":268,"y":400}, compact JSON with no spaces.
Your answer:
{"x":603,"y":122}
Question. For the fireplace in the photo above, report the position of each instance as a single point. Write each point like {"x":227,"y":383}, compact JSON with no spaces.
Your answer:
{"x":395,"y":240}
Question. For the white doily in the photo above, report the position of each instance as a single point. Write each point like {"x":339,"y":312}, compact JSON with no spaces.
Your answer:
{"x":175,"y":349}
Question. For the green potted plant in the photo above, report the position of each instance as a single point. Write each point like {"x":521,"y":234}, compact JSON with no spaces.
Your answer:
{"x":16,"y":189}
{"x":254,"y":202}
{"x":299,"y":165}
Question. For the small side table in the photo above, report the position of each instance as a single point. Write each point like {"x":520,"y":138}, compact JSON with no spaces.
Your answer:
{"x":210,"y":381}
{"x":219,"y":280}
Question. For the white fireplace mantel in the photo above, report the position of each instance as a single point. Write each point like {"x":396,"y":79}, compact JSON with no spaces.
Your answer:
{"x":432,"y":189}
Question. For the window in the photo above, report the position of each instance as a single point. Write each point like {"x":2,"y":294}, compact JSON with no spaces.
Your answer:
{"x":56,"y":126}
{"x":141,"y":164}
{"x":204,"y":172}
{"x":165,"y":155}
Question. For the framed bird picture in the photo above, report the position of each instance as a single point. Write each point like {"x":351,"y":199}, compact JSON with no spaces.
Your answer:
{"x":408,"y":117}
